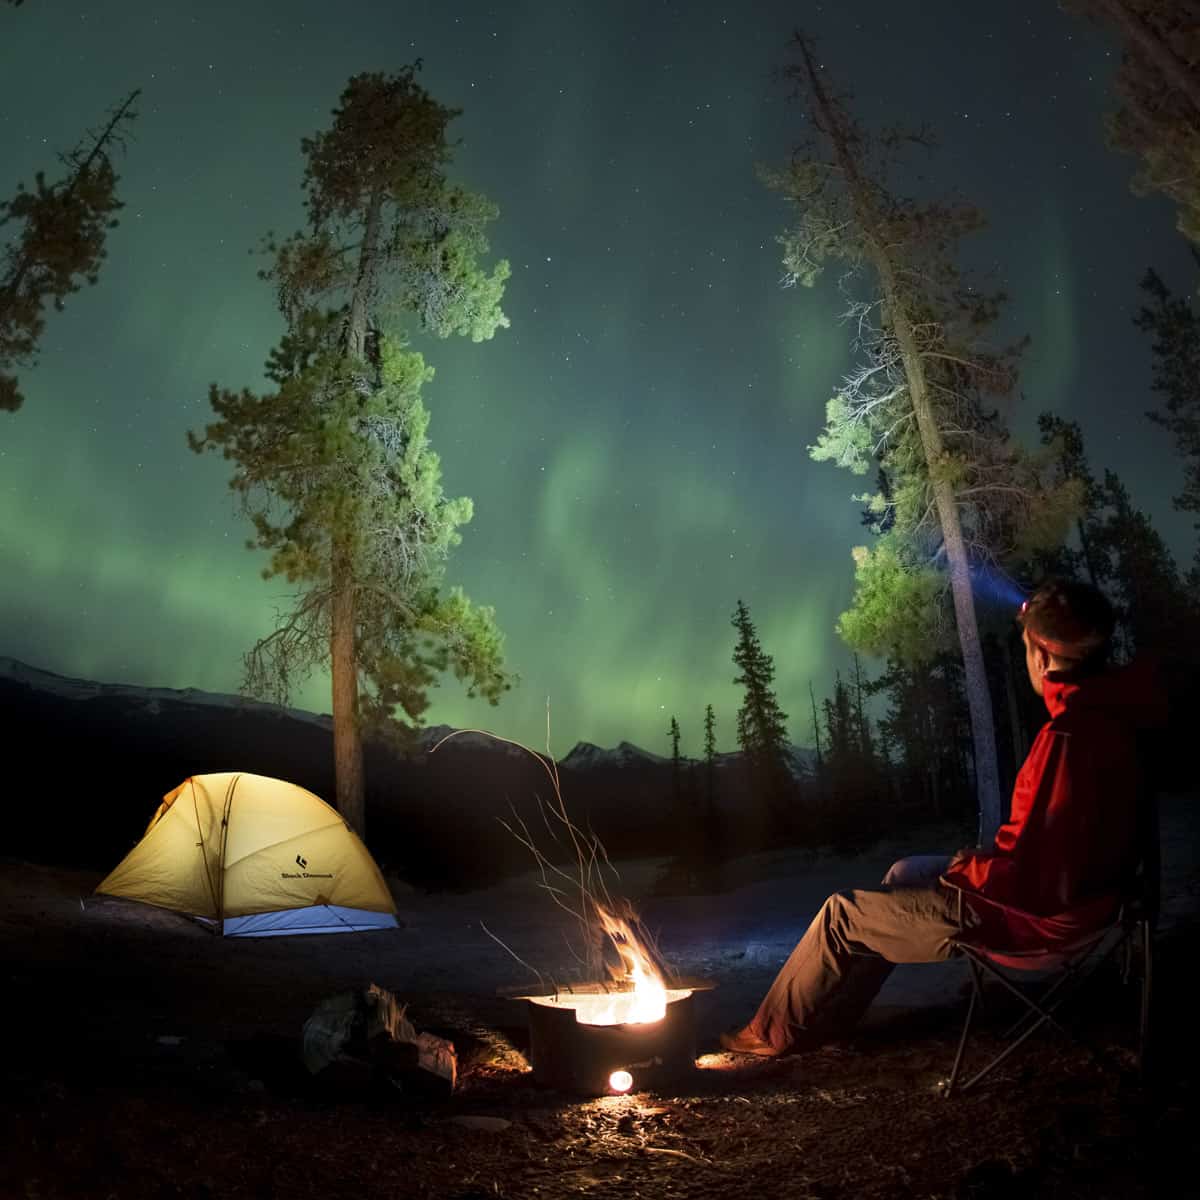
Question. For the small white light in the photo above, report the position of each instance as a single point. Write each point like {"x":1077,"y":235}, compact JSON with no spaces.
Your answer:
{"x":620,"y":1081}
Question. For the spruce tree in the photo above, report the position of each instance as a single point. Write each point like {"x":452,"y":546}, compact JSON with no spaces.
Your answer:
{"x":1064,"y":441}
{"x":1155,"y":610}
{"x":923,"y":733}
{"x":712,"y":843}
{"x":56,"y":243}
{"x":710,"y":754}
{"x":761,"y":723}
{"x":842,"y":738}
{"x":676,"y":777}
{"x":864,"y":723}
{"x":853,"y":781}
{"x":334,"y":467}
{"x":816,"y":728}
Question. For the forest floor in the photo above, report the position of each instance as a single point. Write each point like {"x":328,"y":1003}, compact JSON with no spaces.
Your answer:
{"x":145,"y":1057}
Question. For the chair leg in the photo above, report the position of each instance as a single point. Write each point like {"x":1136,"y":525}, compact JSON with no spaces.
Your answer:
{"x":962,"y":1041}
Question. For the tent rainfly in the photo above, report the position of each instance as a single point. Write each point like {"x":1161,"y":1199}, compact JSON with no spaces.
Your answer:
{"x":255,"y":857}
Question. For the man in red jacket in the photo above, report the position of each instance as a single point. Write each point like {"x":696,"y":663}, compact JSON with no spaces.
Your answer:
{"x":1056,"y":869}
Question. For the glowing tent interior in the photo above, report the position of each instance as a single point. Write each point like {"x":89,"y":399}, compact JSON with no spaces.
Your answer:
{"x":255,"y":857}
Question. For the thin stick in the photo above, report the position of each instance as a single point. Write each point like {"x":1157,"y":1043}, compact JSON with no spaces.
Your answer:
{"x":595,"y":900}
{"x":504,"y":946}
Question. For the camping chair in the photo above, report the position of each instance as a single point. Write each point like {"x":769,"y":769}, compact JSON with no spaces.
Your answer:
{"x":1065,"y":966}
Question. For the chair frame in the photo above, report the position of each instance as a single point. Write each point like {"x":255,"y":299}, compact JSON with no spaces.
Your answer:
{"x":1131,"y":932}
{"x":1132,"y":928}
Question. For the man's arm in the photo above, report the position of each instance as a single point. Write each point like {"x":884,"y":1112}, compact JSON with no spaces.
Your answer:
{"x":1001,"y":873}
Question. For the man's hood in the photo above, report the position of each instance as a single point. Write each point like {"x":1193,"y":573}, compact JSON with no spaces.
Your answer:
{"x":1133,"y":694}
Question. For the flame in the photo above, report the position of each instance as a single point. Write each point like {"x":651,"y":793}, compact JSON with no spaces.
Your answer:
{"x":643,"y":997}
{"x":640,"y":997}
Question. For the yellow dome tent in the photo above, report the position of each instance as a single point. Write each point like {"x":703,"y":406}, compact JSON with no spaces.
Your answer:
{"x":256,"y":857}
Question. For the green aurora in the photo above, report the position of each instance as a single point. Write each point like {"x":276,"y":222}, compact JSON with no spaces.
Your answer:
{"x":635,"y":444}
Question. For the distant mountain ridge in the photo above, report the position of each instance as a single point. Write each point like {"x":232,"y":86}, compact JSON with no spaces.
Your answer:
{"x":581,"y":757}
{"x":98,"y":757}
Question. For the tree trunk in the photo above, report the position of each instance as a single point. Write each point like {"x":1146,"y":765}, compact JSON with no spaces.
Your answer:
{"x":816,"y":726}
{"x":347,"y":737}
{"x":364,"y":281}
{"x":864,"y":734}
{"x":979,"y":701}
{"x":1085,"y":544}
{"x":1139,"y":34}
{"x":933,"y":756}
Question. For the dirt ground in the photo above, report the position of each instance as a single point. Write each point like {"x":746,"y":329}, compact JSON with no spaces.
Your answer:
{"x":145,"y":1057}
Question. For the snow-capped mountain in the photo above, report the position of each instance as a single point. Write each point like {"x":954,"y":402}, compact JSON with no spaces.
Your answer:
{"x":585,"y":756}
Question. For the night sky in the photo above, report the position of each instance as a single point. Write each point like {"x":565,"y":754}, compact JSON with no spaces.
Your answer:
{"x":636,"y":443}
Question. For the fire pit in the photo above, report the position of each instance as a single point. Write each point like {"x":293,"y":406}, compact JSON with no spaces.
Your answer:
{"x":593,"y":1039}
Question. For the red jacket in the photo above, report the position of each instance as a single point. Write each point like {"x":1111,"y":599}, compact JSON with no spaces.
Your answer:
{"x":1070,"y":843}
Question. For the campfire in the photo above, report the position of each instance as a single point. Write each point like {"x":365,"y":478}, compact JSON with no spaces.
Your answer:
{"x":609,"y":1037}
{"x":638,"y":995}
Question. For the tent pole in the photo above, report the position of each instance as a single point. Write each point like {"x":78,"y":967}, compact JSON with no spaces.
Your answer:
{"x":221,"y":862}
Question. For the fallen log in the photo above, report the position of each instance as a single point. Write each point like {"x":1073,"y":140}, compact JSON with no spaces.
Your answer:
{"x":367,"y":1033}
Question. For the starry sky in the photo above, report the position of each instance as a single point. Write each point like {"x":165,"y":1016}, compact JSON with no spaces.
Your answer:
{"x":635,"y":443}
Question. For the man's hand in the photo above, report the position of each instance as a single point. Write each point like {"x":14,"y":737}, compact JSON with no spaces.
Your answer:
{"x":962,"y":856}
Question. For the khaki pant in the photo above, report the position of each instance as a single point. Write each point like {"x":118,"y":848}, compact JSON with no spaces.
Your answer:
{"x":850,"y":948}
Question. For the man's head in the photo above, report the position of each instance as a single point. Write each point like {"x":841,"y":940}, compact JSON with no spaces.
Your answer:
{"x":1067,"y":627}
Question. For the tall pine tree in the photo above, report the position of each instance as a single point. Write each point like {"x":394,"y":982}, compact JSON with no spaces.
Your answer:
{"x":1064,"y":441}
{"x":924,"y":732}
{"x":710,"y":755}
{"x":762,"y":724}
{"x":1156,"y":611}
{"x":676,"y":766}
{"x":334,"y":467}
{"x":921,"y":404}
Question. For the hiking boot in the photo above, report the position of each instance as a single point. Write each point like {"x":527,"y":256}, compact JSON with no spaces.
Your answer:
{"x":743,"y":1041}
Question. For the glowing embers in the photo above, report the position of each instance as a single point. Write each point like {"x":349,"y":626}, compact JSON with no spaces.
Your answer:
{"x":636,"y":1007}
